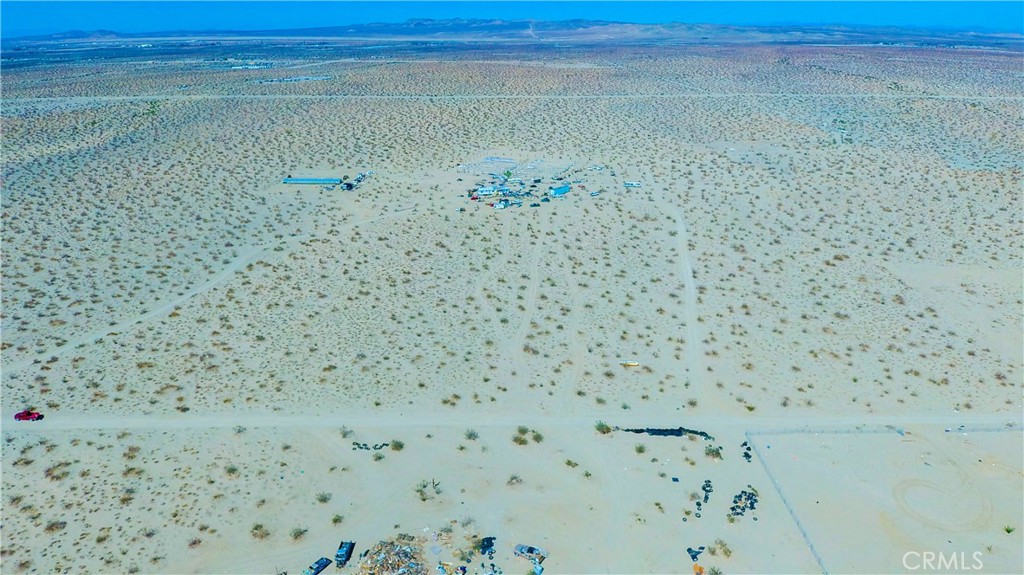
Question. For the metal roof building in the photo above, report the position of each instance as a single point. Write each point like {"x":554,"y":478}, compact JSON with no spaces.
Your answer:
{"x":321,"y":181}
{"x":559,"y":191}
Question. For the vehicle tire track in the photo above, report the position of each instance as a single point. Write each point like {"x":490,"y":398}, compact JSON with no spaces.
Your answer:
{"x":692,"y":350}
{"x":250,"y":253}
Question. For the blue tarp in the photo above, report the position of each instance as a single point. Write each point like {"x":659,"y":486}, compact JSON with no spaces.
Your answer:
{"x":323,"y":181}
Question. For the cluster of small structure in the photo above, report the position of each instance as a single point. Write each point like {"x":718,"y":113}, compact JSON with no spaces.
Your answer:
{"x":746,"y":451}
{"x":329,"y":184}
{"x":293,"y":79}
{"x":510,"y":191}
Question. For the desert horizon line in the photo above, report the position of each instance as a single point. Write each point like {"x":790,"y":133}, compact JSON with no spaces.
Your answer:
{"x":582,"y":23}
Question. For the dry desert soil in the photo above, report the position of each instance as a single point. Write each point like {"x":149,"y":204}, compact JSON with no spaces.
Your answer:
{"x":821,"y":271}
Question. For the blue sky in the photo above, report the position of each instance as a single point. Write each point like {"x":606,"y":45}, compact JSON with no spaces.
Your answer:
{"x":19,"y":18}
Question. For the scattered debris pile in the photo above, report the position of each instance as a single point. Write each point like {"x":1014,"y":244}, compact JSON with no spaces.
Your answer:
{"x":694,"y":553}
{"x":707,"y":489}
{"x":399,"y":557}
{"x":744,"y":501}
{"x":366,"y":447}
{"x":487,"y":547}
{"x":746,"y":450}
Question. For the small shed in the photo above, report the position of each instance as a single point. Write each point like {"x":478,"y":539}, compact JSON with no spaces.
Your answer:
{"x":317,"y":181}
{"x":559,"y":191}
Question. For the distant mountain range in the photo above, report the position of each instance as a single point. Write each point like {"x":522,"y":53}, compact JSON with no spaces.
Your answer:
{"x":585,"y":31}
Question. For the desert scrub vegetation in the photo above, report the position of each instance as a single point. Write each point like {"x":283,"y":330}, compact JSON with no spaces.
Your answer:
{"x":323,"y":497}
{"x":719,"y":546}
{"x":602,"y":428}
{"x":423,"y":486}
{"x":259,"y":531}
{"x":57,"y":472}
{"x":520,"y":437}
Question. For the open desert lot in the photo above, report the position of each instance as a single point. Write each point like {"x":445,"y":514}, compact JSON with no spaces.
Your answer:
{"x":816,"y":270}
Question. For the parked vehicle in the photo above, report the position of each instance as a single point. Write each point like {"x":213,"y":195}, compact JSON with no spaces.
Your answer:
{"x":315,"y":569}
{"x":532,"y":553}
{"x":345,"y":549}
{"x":28,"y":415}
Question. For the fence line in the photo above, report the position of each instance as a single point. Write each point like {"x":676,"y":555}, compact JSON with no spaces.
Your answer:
{"x":785,"y":502}
{"x":841,"y":431}
{"x":822,"y":430}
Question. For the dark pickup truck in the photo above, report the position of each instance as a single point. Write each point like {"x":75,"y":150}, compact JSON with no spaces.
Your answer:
{"x":341,"y":558}
{"x":315,"y":569}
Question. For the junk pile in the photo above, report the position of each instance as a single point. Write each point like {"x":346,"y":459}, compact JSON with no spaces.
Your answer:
{"x":487,"y":547}
{"x":744,"y":501}
{"x":708,"y":490}
{"x":398,"y":557}
{"x":677,"y":432}
{"x":746,"y":450}
{"x":694,"y":553}
{"x":366,"y":447}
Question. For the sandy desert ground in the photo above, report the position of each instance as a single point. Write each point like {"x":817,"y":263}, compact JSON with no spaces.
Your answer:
{"x":822,"y":271}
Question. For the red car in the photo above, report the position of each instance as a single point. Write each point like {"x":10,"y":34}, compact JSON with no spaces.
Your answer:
{"x":28,"y":415}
